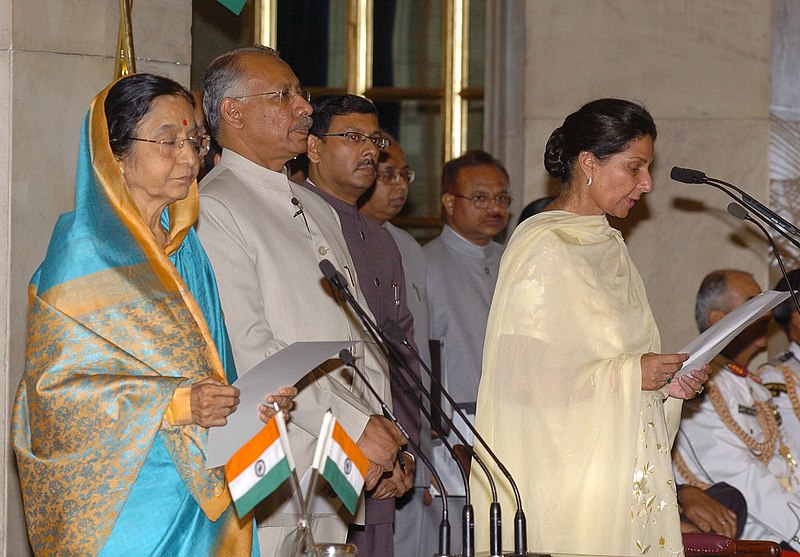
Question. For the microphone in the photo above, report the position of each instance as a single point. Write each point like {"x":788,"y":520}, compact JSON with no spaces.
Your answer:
{"x":335,"y":278}
{"x":741,"y":213}
{"x":296,"y":203}
{"x":687,"y":175}
{"x":393,"y":330}
{"x":332,"y":275}
{"x":392,"y":355}
{"x":444,"y":527}
{"x":781,"y":225}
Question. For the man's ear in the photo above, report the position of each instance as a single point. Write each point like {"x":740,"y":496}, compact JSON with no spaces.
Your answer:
{"x":794,"y":327}
{"x":229,"y":110}
{"x":314,"y":146}
{"x":448,"y":202}
{"x":715,"y":315}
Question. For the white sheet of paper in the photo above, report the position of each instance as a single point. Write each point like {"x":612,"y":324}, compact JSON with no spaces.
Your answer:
{"x":282,"y":369}
{"x":713,"y":340}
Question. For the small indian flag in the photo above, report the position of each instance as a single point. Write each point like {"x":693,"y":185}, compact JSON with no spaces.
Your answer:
{"x":260,"y":466}
{"x":340,"y":462}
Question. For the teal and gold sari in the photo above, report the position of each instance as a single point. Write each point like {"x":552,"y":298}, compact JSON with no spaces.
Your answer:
{"x":118,"y":327}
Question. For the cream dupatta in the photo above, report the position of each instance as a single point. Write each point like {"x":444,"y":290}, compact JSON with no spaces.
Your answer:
{"x":560,"y":395}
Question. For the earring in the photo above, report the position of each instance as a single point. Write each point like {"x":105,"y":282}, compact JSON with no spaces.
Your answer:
{"x":589,"y":181}
{"x":122,"y":170}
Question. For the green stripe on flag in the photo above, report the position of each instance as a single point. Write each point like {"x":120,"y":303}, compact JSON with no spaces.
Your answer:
{"x":234,"y":5}
{"x":340,"y":485}
{"x":265,"y":486}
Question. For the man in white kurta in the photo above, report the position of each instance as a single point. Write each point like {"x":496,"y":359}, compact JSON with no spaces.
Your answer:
{"x":265,"y":238}
{"x":463,"y":262}
{"x":731,"y":434}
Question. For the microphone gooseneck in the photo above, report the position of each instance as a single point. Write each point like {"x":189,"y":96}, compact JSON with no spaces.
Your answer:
{"x":741,"y":213}
{"x":393,"y":330}
{"x":336,"y":279}
{"x":778,"y":223}
{"x":444,"y":528}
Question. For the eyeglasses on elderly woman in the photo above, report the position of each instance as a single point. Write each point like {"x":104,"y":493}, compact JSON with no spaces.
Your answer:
{"x":171,"y":147}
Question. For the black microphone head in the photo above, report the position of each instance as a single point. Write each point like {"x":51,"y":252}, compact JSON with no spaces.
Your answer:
{"x":392,"y":330}
{"x":738,"y":211}
{"x":332,"y":275}
{"x":346,"y":357}
{"x":295,"y":202}
{"x":687,"y":175}
{"x":328,"y":270}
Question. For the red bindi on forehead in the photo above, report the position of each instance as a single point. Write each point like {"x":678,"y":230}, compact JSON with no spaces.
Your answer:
{"x":185,"y":123}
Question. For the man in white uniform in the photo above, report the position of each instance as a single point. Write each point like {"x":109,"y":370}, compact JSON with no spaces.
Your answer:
{"x":732,"y":434}
{"x":265,"y":238}
{"x":781,"y":375}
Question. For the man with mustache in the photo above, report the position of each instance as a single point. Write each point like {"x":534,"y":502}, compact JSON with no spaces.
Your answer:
{"x":475,"y":203}
{"x":415,"y":526}
{"x":733,"y":433}
{"x":265,"y":237}
{"x":343,"y":147}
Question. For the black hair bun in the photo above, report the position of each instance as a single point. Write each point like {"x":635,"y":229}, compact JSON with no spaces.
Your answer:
{"x":554,"y":155}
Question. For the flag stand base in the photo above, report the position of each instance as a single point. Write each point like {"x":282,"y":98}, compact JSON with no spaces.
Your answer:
{"x":334,"y":549}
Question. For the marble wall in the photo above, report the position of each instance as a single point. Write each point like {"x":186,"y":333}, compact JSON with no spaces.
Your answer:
{"x":703,"y":70}
{"x":54,"y":57}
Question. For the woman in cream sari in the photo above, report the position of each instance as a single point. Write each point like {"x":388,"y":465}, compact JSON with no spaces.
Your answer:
{"x":575,"y":397}
{"x":128,"y":361}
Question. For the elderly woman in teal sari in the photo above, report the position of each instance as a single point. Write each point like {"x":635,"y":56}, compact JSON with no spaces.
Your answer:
{"x":128,"y":361}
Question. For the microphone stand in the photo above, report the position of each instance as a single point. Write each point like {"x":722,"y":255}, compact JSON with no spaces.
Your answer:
{"x":444,"y":527}
{"x":393,"y":330}
{"x":741,"y":213}
{"x":778,"y":223}
{"x":392,"y":354}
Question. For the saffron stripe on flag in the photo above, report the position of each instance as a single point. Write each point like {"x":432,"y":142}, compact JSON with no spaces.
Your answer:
{"x":350,"y":448}
{"x":339,"y":460}
{"x":251,"y":450}
{"x":259,"y":468}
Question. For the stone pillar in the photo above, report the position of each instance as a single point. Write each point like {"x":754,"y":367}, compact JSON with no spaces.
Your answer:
{"x":54,"y":57}
{"x":504,"y":127}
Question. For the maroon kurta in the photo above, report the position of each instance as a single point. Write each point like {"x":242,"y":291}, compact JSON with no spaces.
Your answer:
{"x":380,"y":275}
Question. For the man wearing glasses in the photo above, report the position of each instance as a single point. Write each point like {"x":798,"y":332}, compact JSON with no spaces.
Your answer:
{"x":463,"y":262}
{"x":265,"y":237}
{"x":344,"y":145}
{"x":415,"y":531}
